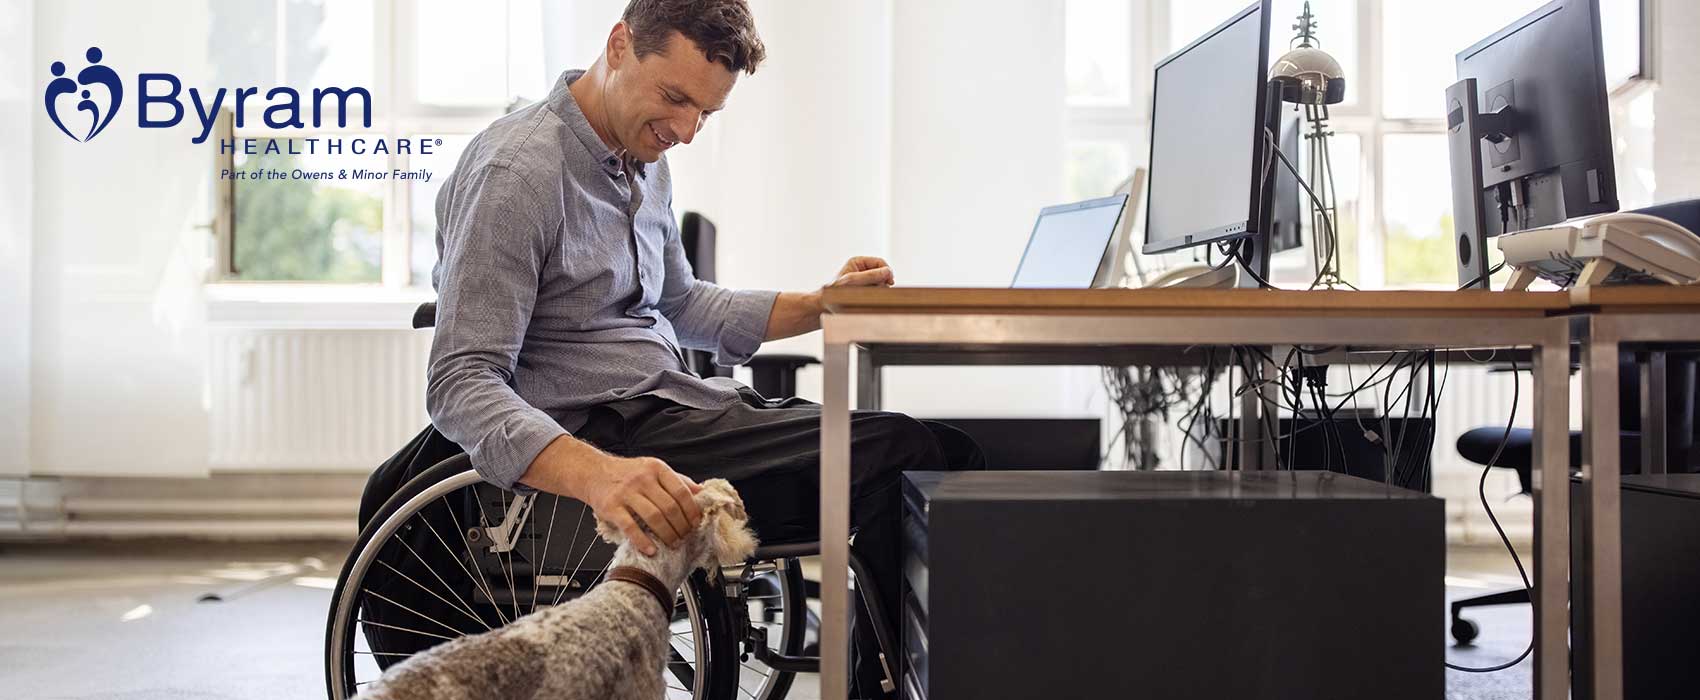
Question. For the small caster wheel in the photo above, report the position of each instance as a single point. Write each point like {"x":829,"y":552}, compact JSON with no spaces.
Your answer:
{"x":1464,"y":631}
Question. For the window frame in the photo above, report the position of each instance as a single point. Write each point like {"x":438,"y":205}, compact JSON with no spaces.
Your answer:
{"x":396,"y":114}
{"x":1130,"y":125}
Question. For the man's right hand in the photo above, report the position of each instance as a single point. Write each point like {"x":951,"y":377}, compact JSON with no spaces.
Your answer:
{"x":620,"y":490}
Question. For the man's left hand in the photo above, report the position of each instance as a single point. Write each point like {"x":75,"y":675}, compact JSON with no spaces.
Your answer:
{"x":864,"y":271}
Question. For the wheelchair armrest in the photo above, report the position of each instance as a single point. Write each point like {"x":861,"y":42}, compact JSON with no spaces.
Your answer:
{"x":792,"y":550}
{"x":775,"y":376}
{"x":426,"y":315}
{"x":781,"y":361}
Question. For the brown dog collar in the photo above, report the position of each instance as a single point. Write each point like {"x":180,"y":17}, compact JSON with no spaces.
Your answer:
{"x":648,"y":581}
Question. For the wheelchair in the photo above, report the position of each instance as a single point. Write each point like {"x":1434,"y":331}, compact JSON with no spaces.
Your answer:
{"x":448,"y":555}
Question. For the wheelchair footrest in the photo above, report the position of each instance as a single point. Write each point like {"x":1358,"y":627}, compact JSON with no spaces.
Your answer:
{"x":777,"y":661}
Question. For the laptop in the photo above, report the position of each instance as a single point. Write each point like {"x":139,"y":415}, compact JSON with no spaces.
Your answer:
{"x":1067,"y":249}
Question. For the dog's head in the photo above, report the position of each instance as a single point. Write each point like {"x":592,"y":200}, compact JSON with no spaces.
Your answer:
{"x":723,"y":538}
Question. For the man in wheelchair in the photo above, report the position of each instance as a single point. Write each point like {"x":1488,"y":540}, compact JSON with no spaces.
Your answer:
{"x":564,"y":299}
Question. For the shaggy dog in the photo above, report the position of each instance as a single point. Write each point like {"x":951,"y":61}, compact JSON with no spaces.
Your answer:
{"x":609,"y":644}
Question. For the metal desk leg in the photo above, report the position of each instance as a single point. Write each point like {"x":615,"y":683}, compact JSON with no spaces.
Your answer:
{"x":1655,"y":445}
{"x":1602,"y":545}
{"x":870,"y":388}
{"x":1256,"y":450}
{"x":1552,"y":521}
{"x":835,"y":525}
{"x":1269,"y":418}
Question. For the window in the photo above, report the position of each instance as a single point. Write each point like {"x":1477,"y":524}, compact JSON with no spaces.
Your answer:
{"x":1420,"y":45}
{"x":437,"y":71}
{"x":1388,"y":153}
{"x":1105,"y":87}
{"x":1098,"y":58}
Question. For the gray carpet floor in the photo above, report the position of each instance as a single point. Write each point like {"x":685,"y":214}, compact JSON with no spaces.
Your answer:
{"x":126,"y":621}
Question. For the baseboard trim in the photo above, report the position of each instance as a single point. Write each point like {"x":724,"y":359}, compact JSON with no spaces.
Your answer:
{"x":223,"y":506}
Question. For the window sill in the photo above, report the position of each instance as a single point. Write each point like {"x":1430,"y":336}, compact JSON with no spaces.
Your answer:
{"x":312,"y":306}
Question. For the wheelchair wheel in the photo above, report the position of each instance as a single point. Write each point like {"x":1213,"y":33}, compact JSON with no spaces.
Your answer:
{"x":449,"y":556}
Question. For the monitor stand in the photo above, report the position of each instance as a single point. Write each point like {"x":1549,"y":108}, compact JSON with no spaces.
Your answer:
{"x":1466,"y":128}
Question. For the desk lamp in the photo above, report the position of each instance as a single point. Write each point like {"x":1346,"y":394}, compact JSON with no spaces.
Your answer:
{"x":1309,"y":77}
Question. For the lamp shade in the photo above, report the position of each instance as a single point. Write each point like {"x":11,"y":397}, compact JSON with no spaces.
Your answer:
{"x":1308,"y":75}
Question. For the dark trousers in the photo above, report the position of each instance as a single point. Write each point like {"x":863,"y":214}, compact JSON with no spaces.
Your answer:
{"x":770,"y":450}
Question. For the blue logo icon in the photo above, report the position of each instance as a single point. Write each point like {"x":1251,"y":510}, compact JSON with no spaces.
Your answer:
{"x":90,"y":77}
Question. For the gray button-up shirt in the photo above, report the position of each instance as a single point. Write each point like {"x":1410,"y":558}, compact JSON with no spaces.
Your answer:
{"x":561,"y":285}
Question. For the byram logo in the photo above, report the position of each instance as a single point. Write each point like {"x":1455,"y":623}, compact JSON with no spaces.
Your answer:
{"x":97,"y":93}
{"x":95,"y":81}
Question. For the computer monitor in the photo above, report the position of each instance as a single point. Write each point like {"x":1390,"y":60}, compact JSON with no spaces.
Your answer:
{"x":1286,"y":213}
{"x":1529,"y":130}
{"x":1209,"y":113}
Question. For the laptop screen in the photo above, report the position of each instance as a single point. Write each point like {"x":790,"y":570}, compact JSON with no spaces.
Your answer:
{"x":1068,"y":244}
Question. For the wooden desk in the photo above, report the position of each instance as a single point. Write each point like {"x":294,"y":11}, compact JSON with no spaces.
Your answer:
{"x":1062,"y":326}
{"x":1189,"y":301}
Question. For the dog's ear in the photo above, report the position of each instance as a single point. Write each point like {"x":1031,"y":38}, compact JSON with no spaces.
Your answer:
{"x":609,"y":532}
{"x":725,"y":523}
{"x":732,"y":542}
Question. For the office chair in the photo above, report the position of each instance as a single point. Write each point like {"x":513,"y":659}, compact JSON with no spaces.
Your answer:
{"x":773,"y":375}
{"x":1478,"y":446}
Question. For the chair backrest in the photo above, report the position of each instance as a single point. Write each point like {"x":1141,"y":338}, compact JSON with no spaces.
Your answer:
{"x":696,"y":232}
{"x":1685,"y":213}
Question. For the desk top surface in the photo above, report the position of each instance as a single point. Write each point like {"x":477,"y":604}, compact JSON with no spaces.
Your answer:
{"x":1648,"y":298}
{"x":1174,"y":301}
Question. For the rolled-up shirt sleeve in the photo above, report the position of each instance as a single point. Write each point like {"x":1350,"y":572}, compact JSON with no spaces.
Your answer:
{"x":730,"y":322}
{"x":494,"y":245}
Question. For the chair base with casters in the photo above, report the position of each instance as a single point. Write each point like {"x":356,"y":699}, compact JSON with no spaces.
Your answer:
{"x":449,"y":555}
{"x":1478,"y":446}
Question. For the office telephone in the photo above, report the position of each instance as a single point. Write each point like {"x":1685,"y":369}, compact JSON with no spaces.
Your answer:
{"x":1616,"y":248}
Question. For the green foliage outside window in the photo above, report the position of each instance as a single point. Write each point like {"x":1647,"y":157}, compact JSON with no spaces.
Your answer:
{"x":301,"y":230}
{"x":1419,"y":259}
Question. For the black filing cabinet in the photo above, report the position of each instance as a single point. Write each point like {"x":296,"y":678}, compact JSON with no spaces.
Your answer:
{"x":1660,"y":517}
{"x":1114,"y":584}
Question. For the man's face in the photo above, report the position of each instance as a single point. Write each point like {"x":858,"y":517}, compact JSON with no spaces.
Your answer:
{"x":663,"y":99}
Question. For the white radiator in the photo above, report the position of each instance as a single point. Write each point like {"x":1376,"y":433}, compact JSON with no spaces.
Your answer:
{"x":313,"y":399}
{"x":1476,"y":398}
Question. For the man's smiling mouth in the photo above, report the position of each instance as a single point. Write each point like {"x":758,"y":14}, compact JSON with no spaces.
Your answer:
{"x":659,"y":137}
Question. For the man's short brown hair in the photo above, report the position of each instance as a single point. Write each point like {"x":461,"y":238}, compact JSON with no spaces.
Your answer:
{"x":723,"y":29}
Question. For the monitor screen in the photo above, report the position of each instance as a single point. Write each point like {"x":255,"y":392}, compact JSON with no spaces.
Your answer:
{"x":1067,"y":245}
{"x":1207,"y":137}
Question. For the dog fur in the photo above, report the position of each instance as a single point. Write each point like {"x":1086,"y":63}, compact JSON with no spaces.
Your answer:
{"x":609,"y":644}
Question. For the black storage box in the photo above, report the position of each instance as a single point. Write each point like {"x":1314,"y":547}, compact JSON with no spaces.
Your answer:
{"x":1112,"y":584}
{"x":1660,"y":517}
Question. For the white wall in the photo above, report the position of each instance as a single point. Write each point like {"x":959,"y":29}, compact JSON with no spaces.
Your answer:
{"x":871,"y":131}
{"x":17,"y":115}
{"x":118,"y":335}
{"x":795,"y":171}
{"x":1676,"y":121}
{"x":977,"y":150}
